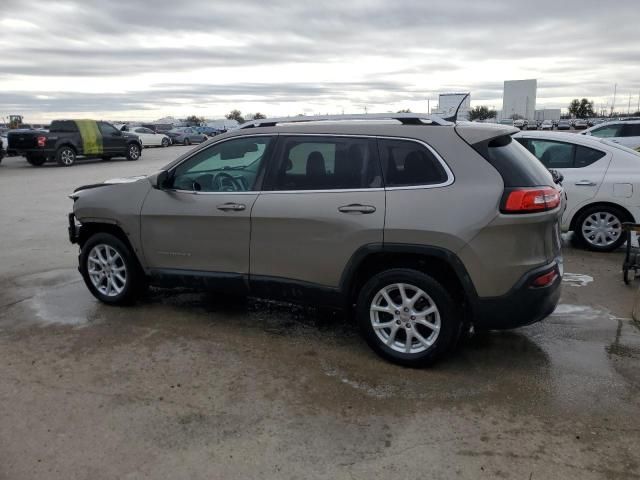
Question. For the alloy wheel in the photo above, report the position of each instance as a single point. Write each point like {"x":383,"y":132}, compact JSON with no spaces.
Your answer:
{"x":107,"y":270}
{"x":405,"y":318}
{"x":67,"y":156}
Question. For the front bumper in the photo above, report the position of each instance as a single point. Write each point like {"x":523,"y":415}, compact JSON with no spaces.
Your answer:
{"x":74,"y":229}
{"x":523,"y":305}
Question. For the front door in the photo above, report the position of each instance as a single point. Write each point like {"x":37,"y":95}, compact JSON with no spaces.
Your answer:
{"x":113,"y":140}
{"x":323,"y":200}
{"x":200,"y":222}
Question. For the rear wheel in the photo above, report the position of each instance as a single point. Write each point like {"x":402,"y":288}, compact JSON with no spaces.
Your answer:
{"x":187,"y":141}
{"x":407,"y":317}
{"x":110,"y":270}
{"x":66,"y":156}
{"x":599,"y":228}
{"x":165,"y":142}
{"x":133,"y":151}
{"x":36,"y":161}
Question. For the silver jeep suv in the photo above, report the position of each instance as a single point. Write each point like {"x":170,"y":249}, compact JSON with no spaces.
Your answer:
{"x":419,"y":226}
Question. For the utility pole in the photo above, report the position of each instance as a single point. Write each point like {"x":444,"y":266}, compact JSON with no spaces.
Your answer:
{"x":613,"y":104}
{"x":629,"y":106}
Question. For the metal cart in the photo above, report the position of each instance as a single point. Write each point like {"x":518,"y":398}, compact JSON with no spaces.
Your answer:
{"x":631,"y":263}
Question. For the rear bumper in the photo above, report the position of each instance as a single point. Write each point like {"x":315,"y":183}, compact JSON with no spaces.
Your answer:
{"x":523,"y":305}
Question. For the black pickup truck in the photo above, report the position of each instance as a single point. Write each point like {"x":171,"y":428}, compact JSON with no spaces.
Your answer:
{"x":68,"y":139}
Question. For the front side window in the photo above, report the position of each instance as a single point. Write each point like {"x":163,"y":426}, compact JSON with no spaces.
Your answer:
{"x":607,"y":131}
{"x":407,"y":163}
{"x":107,"y":129}
{"x":326,"y":163}
{"x":230,"y":166}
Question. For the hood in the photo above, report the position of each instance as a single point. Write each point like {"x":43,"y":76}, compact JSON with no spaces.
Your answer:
{"x":113,"y":181}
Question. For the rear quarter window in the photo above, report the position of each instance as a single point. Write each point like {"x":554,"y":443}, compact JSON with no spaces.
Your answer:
{"x":63,"y":126}
{"x":517,"y":166}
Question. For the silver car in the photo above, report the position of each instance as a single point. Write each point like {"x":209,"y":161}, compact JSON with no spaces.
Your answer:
{"x":418,"y":226}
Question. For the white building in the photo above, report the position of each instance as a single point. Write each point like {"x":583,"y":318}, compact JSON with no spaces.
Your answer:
{"x":548,"y":114}
{"x":448,"y":103}
{"x":519,"y":98}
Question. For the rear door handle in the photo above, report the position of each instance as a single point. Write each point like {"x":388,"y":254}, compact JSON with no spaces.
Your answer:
{"x":231,"y":207}
{"x":585,"y":183}
{"x":357,"y":208}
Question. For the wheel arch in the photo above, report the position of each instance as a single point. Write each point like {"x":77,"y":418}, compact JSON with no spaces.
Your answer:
{"x":441,"y":264}
{"x":577,"y":213}
{"x":89,"y":229}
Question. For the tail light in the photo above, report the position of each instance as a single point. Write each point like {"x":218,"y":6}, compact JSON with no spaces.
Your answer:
{"x":41,"y":141}
{"x":530,"y":200}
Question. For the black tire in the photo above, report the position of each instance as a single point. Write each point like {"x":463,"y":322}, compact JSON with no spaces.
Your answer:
{"x":449,"y":318}
{"x":66,"y":156}
{"x":186,"y":141}
{"x":105,"y":159}
{"x":135,"y":280}
{"x":165,"y":142}
{"x":583,"y":241}
{"x":36,"y":161}
{"x":627,"y":275}
{"x":133,"y":151}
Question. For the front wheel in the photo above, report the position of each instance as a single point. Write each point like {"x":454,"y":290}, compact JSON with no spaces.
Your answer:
{"x":165,"y":142}
{"x":599,"y":228}
{"x":407,"y":317}
{"x":110,"y":270}
{"x":66,"y":156}
{"x":133,"y":151}
{"x":187,"y":141}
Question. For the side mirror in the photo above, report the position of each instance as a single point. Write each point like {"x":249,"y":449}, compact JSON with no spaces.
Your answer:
{"x":161,"y":180}
{"x":557,"y":176}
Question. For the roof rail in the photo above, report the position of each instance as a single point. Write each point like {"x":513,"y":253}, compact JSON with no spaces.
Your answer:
{"x":404,"y":118}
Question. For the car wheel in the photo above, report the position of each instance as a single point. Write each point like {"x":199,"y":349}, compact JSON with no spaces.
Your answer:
{"x":187,"y":141}
{"x":133,"y":151}
{"x":66,"y":156}
{"x":407,"y":317}
{"x":36,"y":161}
{"x":110,"y":270}
{"x":165,"y":142}
{"x":599,"y":228}
{"x":105,"y":159}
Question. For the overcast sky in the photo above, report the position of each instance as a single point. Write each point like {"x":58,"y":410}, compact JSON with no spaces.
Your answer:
{"x":144,"y":59}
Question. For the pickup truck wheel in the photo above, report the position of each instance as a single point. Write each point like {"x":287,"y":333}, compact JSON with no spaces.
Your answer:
{"x":110,"y":270}
{"x":133,"y":152}
{"x":36,"y":161}
{"x":407,"y":317}
{"x":66,"y":156}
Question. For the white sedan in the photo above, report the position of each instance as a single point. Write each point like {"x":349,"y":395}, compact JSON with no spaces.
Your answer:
{"x":602,"y":182}
{"x":149,"y":138}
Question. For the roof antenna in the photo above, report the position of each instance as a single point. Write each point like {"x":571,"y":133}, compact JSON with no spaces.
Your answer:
{"x":454,"y":117}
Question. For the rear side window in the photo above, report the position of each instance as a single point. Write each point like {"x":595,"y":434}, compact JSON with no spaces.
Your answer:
{"x":517,"y":166}
{"x":631,"y":130}
{"x":326,"y":163}
{"x":406,"y":163}
{"x":63,"y":126}
{"x":585,"y":156}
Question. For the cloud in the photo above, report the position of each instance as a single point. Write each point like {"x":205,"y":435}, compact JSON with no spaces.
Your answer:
{"x":161,"y":57}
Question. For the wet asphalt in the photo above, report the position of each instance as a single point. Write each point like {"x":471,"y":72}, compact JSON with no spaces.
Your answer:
{"x":189,"y":385}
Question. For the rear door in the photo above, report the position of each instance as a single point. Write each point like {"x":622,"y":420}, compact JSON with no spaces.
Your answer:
{"x":583,"y":168}
{"x":322,"y":201}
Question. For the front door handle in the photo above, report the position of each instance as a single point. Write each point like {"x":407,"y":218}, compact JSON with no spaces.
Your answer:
{"x":585,"y":183}
{"x":231,"y":207}
{"x":357,"y":208}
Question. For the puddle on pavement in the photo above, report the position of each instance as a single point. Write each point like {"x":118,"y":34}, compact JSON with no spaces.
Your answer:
{"x":576,"y":279}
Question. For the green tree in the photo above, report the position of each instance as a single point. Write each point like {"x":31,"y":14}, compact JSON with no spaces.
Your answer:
{"x":257,"y":116}
{"x":481,"y":112}
{"x":235,"y":115}
{"x":404,"y":110}
{"x":194,"y":120}
{"x":581,"y":108}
